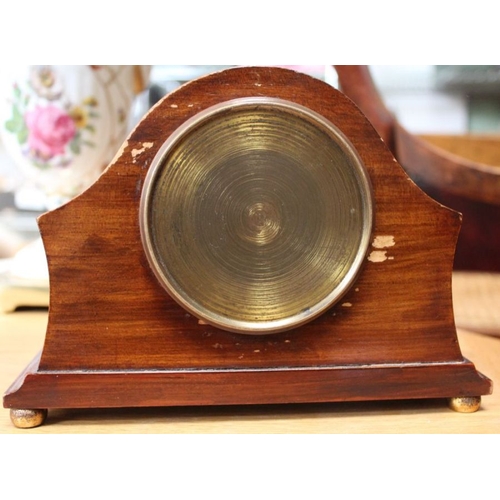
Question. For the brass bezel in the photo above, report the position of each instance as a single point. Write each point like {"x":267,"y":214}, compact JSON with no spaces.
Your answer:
{"x":233,"y":324}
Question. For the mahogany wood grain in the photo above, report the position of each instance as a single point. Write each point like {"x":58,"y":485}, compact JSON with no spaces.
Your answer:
{"x":22,"y":334}
{"x":247,"y":386}
{"x":115,"y":337}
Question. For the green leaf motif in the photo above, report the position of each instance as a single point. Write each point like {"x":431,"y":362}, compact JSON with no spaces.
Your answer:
{"x":11,"y":126}
{"x":16,"y":123}
{"x":41,"y":165}
{"x":74,"y":146}
{"x":17,"y":115}
{"x":22,"y":135}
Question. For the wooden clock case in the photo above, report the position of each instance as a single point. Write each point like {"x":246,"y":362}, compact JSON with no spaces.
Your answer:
{"x":115,"y":338}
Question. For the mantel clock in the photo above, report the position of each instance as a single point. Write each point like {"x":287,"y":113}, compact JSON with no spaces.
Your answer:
{"x":254,"y":241}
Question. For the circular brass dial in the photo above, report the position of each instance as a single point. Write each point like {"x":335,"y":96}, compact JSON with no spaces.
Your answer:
{"x":256,"y":215}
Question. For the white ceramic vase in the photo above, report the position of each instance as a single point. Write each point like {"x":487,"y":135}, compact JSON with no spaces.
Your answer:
{"x":62,"y":125}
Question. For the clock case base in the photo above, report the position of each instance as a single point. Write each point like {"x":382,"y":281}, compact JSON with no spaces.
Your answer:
{"x":44,"y":389}
{"x":115,"y":338}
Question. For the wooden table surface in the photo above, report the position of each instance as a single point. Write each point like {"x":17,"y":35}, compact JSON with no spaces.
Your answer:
{"x":22,"y":334}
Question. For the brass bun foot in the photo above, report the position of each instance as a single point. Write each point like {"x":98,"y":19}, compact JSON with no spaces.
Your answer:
{"x":27,"y":419}
{"x":466,"y":404}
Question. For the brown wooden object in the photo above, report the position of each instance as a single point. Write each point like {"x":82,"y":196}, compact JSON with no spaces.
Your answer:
{"x":115,"y":337}
{"x":467,"y":183}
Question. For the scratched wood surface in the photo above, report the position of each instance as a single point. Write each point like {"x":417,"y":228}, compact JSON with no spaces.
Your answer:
{"x":108,"y":311}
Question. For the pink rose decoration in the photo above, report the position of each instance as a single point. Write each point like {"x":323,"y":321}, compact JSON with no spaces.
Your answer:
{"x":50,"y":129}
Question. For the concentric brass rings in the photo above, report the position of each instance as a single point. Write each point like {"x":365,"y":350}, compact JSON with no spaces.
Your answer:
{"x":256,"y":215}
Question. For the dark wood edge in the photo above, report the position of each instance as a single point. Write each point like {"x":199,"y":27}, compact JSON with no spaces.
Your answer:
{"x":356,"y":83}
{"x":239,"y":387}
{"x":429,"y":164}
{"x":424,"y":162}
{"x":29,"y":370}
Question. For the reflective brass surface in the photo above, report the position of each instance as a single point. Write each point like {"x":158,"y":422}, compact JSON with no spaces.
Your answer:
{"x":465,"y":404}
{"x":27,"y":419}
{"x":256,"y":215}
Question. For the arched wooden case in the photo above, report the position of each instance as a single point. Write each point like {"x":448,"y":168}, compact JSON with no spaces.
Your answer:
{"x":115,"y":338}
